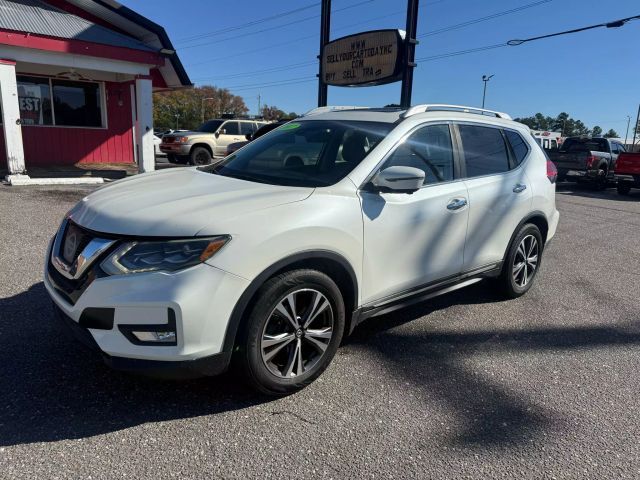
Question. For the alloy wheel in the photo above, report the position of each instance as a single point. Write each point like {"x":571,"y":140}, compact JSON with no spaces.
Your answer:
{"x":297,"y":333}
{"x":525,"y":261}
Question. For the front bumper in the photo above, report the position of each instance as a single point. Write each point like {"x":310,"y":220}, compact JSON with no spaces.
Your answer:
{"x":200,"y":299}
{"x":175,"y":148}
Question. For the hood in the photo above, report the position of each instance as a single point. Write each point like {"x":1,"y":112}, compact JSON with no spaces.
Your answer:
{"x":176,"y":202}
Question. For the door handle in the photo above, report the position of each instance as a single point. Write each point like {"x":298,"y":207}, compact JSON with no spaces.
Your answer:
{"x":457,"y":203}
{"x":520,"y":187}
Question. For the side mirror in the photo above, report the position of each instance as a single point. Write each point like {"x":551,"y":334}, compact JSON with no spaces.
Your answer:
{"x":248,"y":136}
{"x":399,"y":179}
{"x":217,"y":134}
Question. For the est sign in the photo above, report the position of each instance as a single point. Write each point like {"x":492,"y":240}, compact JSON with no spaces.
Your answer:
{"x":369,"y":58}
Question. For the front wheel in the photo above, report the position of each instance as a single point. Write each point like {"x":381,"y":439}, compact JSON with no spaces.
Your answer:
{"x":522,"y":262}
{"x":292,"y":332}
{"x":200,"y":156}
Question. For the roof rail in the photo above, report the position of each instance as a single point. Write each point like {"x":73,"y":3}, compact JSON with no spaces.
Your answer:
{"x":334,"y":108}
{"x":443,"y":107}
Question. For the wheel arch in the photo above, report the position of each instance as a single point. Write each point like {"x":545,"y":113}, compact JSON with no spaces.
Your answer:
{"x":538,"y":219}
{"x":334,"y":265}
{"x":201,"y":144}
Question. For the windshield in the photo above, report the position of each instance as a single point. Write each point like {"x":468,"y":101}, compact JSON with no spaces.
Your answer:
{"x":210,"y":127}
{"x":584,"y":145}
{"x":311,"y":153}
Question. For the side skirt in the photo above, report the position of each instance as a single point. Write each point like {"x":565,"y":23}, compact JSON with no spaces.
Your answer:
{"x":421,"y":294}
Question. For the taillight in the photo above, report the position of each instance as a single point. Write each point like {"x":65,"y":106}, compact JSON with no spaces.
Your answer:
{"x":591,"y":159}
{"x":552,"y":171}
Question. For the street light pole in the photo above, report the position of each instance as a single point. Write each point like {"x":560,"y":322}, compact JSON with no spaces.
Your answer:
{"x":202,"y":107}
{"x":626,"y":135}
{"x":485,"y":79}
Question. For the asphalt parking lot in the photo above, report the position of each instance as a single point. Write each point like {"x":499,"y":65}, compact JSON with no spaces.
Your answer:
{"x":467,"y":386}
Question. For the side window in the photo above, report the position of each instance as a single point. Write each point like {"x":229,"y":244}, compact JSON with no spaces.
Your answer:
{"x":428,"y":149}
{"x":484,"y":150}
{"x":519,"y":146}
{"x":246,"y":127}
{"x":231,"y":128}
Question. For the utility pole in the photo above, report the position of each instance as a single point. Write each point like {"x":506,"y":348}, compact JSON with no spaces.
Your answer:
{"x":626,"y":135}
{"x":202,"y":109}
{"x":177,"y":118}
{"x":259,"y":105}
{"x":635,"y":130}
{"x":486,"y":79}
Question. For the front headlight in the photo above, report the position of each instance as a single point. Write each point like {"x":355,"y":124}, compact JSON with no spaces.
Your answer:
{"x":166,"y":256}
{"x":182,"y":139}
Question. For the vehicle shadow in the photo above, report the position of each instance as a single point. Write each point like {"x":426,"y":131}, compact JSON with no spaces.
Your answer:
{"x":53,"y":389}
{"x":587,"y":191}
{"x":435,"y":361}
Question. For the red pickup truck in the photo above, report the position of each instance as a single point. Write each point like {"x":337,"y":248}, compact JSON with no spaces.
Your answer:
{"x":627,"y":172}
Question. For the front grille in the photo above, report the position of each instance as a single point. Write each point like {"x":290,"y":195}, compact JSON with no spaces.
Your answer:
{"x":168,"y":139}
{"x":75,"y":239}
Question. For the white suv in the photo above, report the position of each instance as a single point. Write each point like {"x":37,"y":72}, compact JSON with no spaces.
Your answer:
{"x":271,"y":258}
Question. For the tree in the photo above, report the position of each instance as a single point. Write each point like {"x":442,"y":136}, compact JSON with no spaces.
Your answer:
{"x":184,"y":108}
{"x":597,"y":131}
{"x":292,"y":115}
{"x":272,"y":113}
{"x":611,"y":134}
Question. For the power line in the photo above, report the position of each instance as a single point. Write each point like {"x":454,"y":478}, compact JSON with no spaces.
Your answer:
{"x":288,"y":42}
{"x":294,"y":22}
{"x":248,"y":24}
{"x":434,"y":32}
{"x":461,"y":52}
{"x":614,"y":24}
{"x":483,"y":19}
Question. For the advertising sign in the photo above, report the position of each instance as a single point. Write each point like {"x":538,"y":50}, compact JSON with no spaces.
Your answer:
{"x":368,"y":58}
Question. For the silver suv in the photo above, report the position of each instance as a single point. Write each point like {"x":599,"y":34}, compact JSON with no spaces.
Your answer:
{"x":210,"y":140}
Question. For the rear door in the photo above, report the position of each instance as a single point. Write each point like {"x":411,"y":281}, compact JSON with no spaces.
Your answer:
{"x":500,"y":194}
{"x":228,"y":133}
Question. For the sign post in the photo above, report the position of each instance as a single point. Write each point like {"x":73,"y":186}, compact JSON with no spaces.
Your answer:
{"x":368,"y":58}
{"x":410,"y":52}
{"x":325,"y":27}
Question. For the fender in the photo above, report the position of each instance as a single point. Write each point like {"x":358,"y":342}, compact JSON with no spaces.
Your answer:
{"x":535,"y":213}
{"x":239,"y":310}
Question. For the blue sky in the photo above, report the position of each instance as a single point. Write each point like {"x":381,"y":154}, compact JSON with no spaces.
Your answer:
{"x":594,"y":75}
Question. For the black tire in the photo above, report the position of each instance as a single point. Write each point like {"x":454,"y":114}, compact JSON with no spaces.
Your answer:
{"x":200,"y":156}
{"x":249,"y":351}
{"x":508,"y":280}
{"x":624,"y":188}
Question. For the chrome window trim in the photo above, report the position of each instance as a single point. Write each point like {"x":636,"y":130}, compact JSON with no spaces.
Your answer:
{"x":95,"y":248}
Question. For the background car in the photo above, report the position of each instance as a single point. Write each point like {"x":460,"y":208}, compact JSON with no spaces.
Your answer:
{"x":232,"y":147}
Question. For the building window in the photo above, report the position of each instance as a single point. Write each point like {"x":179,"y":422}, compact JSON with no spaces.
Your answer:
{"x":34,"y":98}
{"x":64,"y":103}
{"x":77,"y":104}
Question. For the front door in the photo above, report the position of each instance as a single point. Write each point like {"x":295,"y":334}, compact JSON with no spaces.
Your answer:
{"x":229,"y":132}
{"x":411,"y":240}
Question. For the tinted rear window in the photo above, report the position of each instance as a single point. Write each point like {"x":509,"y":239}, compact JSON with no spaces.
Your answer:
{"x":584,"y":145}
{"x":518,"y":145}
{"x":485,"y":152}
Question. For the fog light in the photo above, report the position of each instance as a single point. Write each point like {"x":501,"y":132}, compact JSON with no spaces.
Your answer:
{"x":161,"y":334}
{"x":155,"y":336}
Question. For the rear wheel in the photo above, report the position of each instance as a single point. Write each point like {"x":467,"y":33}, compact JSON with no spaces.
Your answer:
{"x":624,"y":188}
{"x":200,"y":156}
{"x":600,"y":182}
{"x":292,"y":332}
{"x":522,"y":262}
